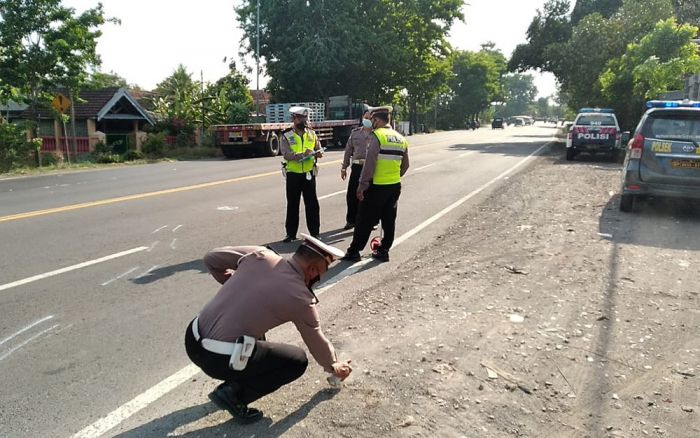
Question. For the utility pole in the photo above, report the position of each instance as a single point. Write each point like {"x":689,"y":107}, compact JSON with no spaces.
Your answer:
{"x":257,"y":64}
{"x":201,"y":96}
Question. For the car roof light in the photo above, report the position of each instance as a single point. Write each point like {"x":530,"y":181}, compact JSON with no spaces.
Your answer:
{"x":597,"y":110}
{"x":673,"y":104}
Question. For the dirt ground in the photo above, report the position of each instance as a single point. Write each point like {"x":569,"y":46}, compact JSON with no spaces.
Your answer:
{"x":545,"y":313}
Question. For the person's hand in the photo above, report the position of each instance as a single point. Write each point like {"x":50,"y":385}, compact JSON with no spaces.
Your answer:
{"x":342,"y":369}
{"x":360,"y":195}
{"x":343,"y":174}
{"x":308,"y":152}
{"x":319,"y":154}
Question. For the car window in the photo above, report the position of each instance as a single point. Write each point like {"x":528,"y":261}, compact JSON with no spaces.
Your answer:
{"x":596,"y":120}
{"x":674,"y":126}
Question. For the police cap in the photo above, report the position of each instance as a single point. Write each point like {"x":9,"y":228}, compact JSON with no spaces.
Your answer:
{"x":300,"y":111}
{"x":380,"y":109}
{"x":330,"y":253}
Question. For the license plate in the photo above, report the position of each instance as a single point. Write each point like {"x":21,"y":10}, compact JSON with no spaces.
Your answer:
{"x":234,"y":135}
{"x":685,"y":164}
{"x":592,"y":147}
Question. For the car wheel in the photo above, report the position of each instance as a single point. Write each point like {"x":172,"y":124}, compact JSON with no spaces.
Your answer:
{"x":627,"y":202}
{"x":570,"y":154}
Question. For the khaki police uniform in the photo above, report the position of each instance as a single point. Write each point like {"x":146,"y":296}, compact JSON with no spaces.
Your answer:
{"x":260,"y":290}
{"x":355,"y":153}
{"x":380,"y":182}
{"x":301,"y":179}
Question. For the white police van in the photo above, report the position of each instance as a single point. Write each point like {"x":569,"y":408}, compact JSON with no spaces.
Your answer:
{"x":595,"y":131}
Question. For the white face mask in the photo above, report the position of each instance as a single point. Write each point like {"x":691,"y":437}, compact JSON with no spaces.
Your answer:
{"x":367,"y":123}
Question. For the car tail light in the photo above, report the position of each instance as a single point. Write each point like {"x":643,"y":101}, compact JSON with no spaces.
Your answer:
{"x":636,"y":147}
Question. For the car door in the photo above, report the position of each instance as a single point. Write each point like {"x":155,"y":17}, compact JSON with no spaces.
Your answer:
{"x":671,"y":148}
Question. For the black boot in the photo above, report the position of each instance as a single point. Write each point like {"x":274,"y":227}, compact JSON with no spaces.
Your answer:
{"x":381,"y":255}
{"x":224,"y":396}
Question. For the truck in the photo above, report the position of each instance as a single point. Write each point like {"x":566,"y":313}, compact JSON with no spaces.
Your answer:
{"x":332,"y":122}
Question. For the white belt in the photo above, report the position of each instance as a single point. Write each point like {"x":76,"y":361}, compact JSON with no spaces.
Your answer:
{"x":212,"y":345}
{"x":362,"y":161}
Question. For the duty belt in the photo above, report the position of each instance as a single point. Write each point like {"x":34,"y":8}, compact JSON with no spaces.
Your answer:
{"x":212,"y":345}
{"x":362,"y":161}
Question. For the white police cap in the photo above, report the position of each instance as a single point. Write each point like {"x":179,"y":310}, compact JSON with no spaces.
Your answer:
{"x":381,"y":109}
{"x":321,"y":248}
{"x":300,"y":111}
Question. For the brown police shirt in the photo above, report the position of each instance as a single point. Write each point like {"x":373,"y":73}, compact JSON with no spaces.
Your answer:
{"x":265,"y":290}
{"x":356,"y":147}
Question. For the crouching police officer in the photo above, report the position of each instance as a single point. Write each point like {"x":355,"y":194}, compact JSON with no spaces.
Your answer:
{"x":261,"y":290}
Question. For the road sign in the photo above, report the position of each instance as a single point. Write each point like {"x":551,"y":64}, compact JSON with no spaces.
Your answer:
{"x":61,"y":103}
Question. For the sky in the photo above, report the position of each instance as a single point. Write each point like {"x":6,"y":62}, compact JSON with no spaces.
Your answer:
{"x":157,"y":35}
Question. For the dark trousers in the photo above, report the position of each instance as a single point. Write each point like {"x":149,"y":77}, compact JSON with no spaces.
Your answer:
{"x":298,"y":185}
{"x":351,"y":195}
{"x":271,"y":366}
{"x":380,"y":203}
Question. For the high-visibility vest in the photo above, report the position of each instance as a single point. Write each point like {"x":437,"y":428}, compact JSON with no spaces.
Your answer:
{"x":392,"y":148}
{"x":298,"y":146}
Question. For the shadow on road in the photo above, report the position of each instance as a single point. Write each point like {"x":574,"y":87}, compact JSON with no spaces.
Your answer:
{"x":167,"y":271}
{"x":165,"y":426}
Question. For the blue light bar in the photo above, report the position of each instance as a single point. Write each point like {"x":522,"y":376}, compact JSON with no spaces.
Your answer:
{"x":597,"y":110}
{"x":673,"y":104}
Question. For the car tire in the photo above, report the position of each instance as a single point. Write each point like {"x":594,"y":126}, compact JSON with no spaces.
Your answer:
{"x":627,"y":202}
{"x":570,"y":154}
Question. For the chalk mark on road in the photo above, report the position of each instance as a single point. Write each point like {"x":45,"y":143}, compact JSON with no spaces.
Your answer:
{"x":29,"y":327}
{"x":17,"y":347}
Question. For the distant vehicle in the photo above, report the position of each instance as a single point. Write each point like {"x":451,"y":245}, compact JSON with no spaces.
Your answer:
{"x":518,"y":121}
{"x":663,"y":157}
{"x":474,"y":124}
{"x":498,"y":123}
{"x":527,"y":120}
{"x":595,"y":130}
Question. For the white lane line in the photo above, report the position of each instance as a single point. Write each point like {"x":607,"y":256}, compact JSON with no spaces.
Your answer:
{"x":424,"y":167}
{"x":465,"y":154}
{"x":340,"y":276}
{"x":172,"y":244}
{"x":176,"y":228}
{"x":147,"y":272}
{"x":13,"y":349}
{"x":141,"y":401}
{"x":332,"y":194}
{"x":153,"y":245}
{"x":158,"y":229}
{"x":119,"y":276}
{"x":104,"y":424}
{"x":71,"y":268}
{"x":35,"y":323}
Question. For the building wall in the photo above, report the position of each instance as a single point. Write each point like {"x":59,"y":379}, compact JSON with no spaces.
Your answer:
{"x":692,"y":87}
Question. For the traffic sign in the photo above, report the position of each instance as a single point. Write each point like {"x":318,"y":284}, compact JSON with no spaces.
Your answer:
{"x":61,"y":103}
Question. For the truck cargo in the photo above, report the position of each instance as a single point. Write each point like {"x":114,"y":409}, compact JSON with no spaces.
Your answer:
{"x":332,"y":122}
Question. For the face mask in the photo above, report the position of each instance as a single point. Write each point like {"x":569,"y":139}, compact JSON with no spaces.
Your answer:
{"x":367,"y":123}
{"x":300,"y":125}
{"x":313,"y":281}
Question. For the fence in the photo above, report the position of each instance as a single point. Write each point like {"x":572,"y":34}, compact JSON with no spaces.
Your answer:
{"x":48,"y":144}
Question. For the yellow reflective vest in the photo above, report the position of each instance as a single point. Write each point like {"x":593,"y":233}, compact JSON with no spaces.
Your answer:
{"x":392,"y":148}
{"x":298,"y":145}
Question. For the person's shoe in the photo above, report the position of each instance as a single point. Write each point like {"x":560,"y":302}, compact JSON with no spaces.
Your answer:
{"x":375,"y":227}
{"x":381,"y":255}
{"x":351,"y":257}
{"x":224,"y":397}
{"x":289,"y":239}
{"x":349,"y":226}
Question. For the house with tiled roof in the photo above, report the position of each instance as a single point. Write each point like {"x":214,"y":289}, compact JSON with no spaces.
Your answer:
{"x":110,"y":115}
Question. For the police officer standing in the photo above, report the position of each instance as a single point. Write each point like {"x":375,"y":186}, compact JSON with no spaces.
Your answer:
{"x":355,"y":151}
{"x":380,"y":186}
{"x":300,"y":147}
{"x":261,"y":290}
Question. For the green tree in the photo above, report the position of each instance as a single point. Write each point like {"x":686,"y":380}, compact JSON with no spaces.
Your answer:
{"x":687,"y":11}
{"x":583,"y":8}
{"x":178,"y":102}
{"x":520,"y":91}
{"x":97,"y":80}
{"x":228,"y":100}
{"x":657,"y":64}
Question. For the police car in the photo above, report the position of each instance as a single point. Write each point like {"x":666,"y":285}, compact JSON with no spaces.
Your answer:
{"x":595,"y":130}
{"x":663,"y":157}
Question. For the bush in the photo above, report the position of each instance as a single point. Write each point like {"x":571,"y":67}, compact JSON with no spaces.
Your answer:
{"x":132,"y":155}
{"x":15,"y":150}
{"x":209,"y":140}
{"x":154,"y":145}
{"x":104,"y":153}
{"x":184,"y":139}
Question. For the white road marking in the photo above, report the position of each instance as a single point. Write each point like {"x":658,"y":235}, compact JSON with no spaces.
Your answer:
{"x":424,"y":167}
{"x":172,"y":244}
{"x":147,"y":272}
{"x":13,"y":349}
{"x":465,"y":154}
{"x":227,"y":208}
{"x":158,"y":229}
{"x":141,"y":401}
{"x":71,"y":268}
{"x":153,"y":245}
{"x":119,"y":276}
{"x":35,"y":323}
{"x":104,"y":424}
{"x":176,"y":228}
{"x":332,"y":194}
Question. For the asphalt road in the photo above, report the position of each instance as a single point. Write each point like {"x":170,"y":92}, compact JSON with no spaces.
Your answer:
{"x":101,"y":270}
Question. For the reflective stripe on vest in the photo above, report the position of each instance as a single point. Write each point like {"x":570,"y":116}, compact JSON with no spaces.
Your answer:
{"x":298,"y":146}
{"x":392,"y":148}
